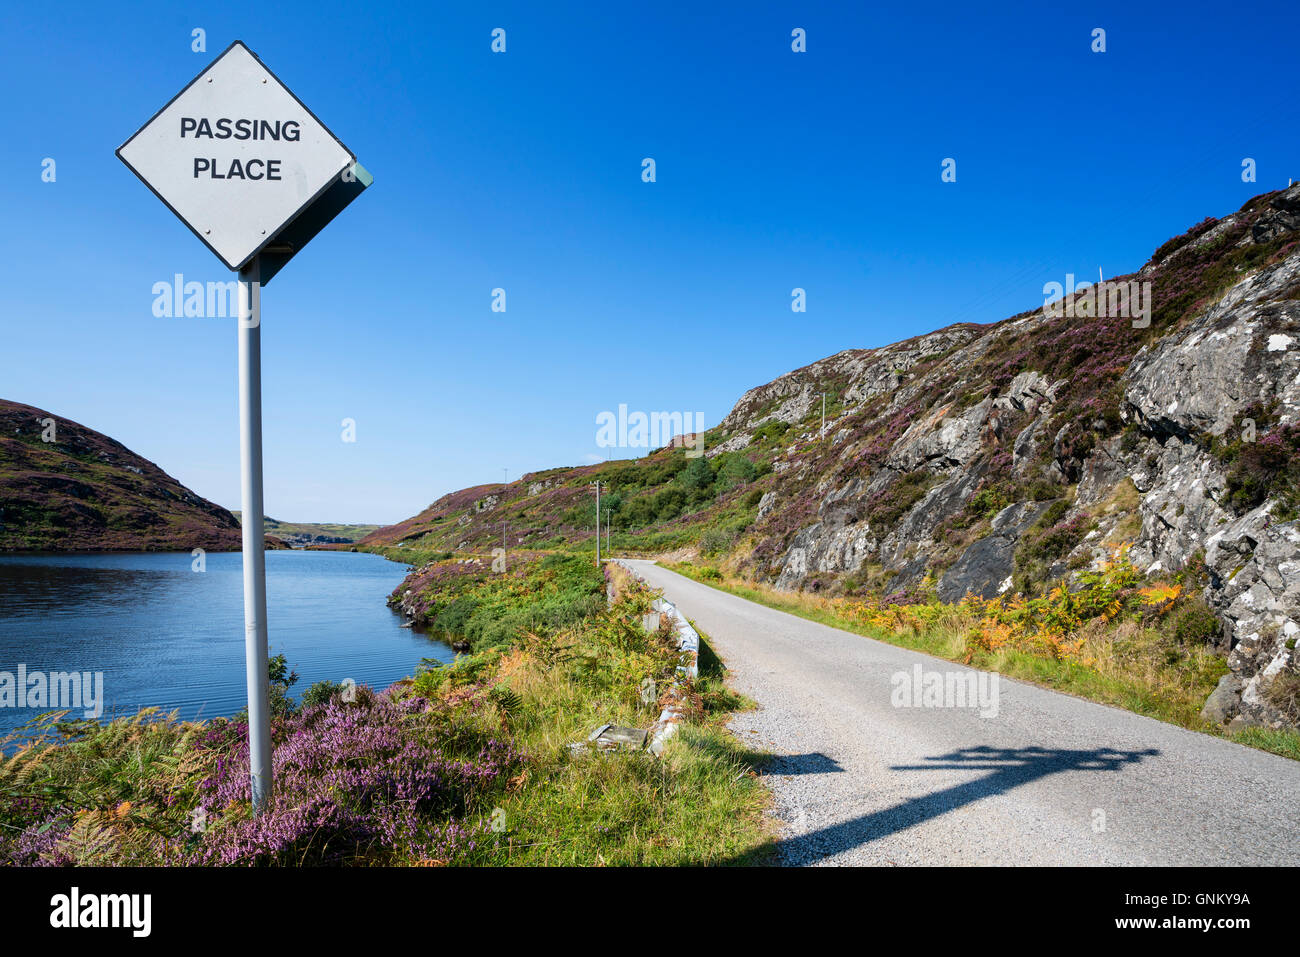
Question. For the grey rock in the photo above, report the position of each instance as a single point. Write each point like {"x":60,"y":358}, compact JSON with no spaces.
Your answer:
{"x":1232,"y":355}
{"x":1186,"y":387}
{"x":985,"y":567}
{"x":1224,"y":701}
{"x":1283,"y":217}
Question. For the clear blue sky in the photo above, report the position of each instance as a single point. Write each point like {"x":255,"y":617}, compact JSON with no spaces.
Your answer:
{"x":523,"y":171}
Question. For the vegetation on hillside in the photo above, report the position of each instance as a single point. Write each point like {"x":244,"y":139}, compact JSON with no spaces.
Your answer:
{"x":319,"y":534}
{"x":667,"y":501}
{"x":64,"y":487}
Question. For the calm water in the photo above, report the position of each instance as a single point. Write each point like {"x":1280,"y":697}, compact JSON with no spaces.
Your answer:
{"x":165,"y":635}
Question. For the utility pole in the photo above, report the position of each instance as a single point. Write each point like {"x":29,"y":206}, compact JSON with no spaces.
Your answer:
{"x":597,"y":484}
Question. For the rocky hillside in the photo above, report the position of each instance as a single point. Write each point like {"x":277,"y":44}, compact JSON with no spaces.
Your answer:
{"x":1001,"y":459}
{"x":81,"y":490}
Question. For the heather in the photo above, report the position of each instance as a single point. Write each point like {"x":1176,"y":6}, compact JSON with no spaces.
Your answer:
{"x":374,"y":780}
{"x":462,"y":764}
{"x":82,"y":491}
{"x":668,"y":503}
{"x":1268,"y":467}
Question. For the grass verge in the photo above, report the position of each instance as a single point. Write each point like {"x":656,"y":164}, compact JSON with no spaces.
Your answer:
{"x":1115,"y":641}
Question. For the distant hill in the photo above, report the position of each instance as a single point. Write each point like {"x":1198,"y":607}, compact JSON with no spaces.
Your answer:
{"x":82,"y":491}
{"x":1001,"y":459}
{"x":307,"y":534}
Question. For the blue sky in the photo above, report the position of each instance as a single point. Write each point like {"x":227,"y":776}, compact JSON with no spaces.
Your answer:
{"x":522,"y":170}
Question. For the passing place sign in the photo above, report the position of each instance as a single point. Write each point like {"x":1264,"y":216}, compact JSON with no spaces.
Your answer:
{"x":236,"y":156}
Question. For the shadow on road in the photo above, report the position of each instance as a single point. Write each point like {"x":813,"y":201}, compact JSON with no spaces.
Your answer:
{"x":790,"y":764}
{"x":1008,"y":768}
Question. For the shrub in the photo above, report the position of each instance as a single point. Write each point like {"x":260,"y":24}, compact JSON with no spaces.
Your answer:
{"x":669,"y":503}
{"x":771,"y":431}
{"x":1283,"y":693}
{"x":1049,"y":540}
{"x":697,"y":476}
{"x":1264,"y":468}
{"x":890,"y":504}
{"x":736,"y":469}
{"x":716,"y":540}
{"x":989,"y":501}
{"x":1194,"y":623}
{"x":321,"y":693}
{"x":281,"y":680}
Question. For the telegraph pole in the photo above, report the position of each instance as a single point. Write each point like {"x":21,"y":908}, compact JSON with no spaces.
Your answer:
{"x":597,"y":484}
{"x":504,"y":482}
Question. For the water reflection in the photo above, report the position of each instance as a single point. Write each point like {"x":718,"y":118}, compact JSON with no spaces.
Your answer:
{"x":166,"y":635}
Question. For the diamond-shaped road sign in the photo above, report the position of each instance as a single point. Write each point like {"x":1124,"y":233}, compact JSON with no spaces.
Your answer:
{"x":238,"y":158}
{"x":255,"y":175}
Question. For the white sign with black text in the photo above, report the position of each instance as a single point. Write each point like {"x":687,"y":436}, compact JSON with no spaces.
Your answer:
{"x":236,"y":155}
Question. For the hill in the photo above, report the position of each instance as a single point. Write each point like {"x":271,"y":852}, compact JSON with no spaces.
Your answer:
{"x":999,"y":459}
{"x":65,"y":487}
{"x":310,"y":534}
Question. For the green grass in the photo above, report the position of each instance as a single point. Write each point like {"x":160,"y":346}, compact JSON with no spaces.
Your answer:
{"x":1285,"y":743}
{"x":1168,"y":690}
{"x":701,"y":802}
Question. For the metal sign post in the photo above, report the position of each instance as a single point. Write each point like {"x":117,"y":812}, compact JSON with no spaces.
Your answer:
{"x":255,"y":175}
{"x":256,"y":650}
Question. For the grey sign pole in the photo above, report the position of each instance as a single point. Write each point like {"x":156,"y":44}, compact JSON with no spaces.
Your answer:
{"x":255,"y":201}
{"x":250,"y":486}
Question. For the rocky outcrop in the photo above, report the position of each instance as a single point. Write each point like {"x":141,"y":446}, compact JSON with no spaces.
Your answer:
{"x":1283,"y":217}
{"x":986,"y":567}
{"x":1240,"y":352}
{"x":1256,"y":585}
{"x":1226,"y":370}
{"x":1008,"y":457}
{"x":1211,"y":380}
